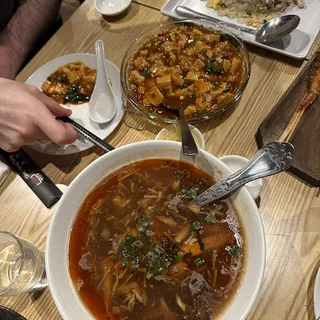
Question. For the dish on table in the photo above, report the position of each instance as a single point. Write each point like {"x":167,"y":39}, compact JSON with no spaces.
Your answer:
{"x":196,"y":65}
{"x":80,"y":112}
{"x":138,"y":257}
{"x":254,"y":12}
{"x":296,"y":45}
{"x":88,"y":188}
{"x":72,"y":83}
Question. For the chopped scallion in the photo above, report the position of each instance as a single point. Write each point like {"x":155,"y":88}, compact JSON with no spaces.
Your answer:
{"x":199,"y":262}
{"x":233,"y":250}
{"x":211,"y":217}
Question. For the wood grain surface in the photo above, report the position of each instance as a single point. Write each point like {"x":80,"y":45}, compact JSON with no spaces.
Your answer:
{"x":155,"y":4}
{"x":289,"y":208}
{"x":306,"y":135}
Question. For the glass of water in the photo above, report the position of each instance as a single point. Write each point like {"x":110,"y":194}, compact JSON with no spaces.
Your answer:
{"x":22,"y":266}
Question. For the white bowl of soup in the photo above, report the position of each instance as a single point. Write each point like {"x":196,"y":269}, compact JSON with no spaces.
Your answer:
{"x":120,"y":246}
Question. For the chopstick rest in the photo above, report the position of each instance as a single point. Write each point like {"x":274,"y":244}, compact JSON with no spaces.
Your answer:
{"x":4,"y":172}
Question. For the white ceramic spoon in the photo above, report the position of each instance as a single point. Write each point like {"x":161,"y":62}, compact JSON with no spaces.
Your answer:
{"x":102,"y":107}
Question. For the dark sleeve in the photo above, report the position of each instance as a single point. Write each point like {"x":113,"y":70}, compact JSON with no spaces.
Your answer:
{"x":7,"y":9}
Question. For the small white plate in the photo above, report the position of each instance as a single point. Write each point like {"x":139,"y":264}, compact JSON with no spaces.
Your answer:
{"x":316,"y":296}
{"x":296,"y":44}
{"x":80,"y":112}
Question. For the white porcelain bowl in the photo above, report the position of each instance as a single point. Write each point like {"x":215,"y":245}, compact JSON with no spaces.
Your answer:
{"x":61,"y":286}
{"x":111,"y":7}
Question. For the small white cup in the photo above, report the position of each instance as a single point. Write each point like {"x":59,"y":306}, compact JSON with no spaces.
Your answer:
{"x":236,"y":163}
{"x":111,"y":7}
{"x":172,"y":132}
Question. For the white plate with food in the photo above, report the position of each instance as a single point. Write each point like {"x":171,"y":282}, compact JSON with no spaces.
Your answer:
{"x":69,"y":80}
{"x":297,"y":44}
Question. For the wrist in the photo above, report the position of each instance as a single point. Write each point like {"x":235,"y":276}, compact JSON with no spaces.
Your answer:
{"x":9,"y":62}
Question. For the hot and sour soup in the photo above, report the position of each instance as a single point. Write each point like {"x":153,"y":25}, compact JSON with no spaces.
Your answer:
{"x":133,"y":255}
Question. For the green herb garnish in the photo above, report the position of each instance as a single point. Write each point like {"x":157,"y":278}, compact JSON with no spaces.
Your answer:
{"x":74,"y":96}
{"x":233,"y":250}
{"x":211,"y":217}
{"x":161,"y":258}
{"x":180,"y":174}
{"x":189,"y":193}
{"x":128,"y":251}
{"x":146,"y":73}
{"x":195,"y":226}
{"x":178,"y":258}
{"x":199,"y":262}
{"x":213,"y":67}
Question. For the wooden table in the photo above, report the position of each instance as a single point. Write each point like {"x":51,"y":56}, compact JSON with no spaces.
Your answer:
{"x":289,"y":208}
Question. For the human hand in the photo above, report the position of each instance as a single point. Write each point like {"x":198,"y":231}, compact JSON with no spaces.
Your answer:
{"x":26,"y":115}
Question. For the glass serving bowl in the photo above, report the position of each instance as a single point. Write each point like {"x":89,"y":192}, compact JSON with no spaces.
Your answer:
{"x":234,"y":36}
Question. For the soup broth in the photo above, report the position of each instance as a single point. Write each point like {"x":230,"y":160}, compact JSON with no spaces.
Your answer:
{"x":135,"y":255}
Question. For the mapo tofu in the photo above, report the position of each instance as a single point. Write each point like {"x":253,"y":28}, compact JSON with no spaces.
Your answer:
{"x":72,"y":83}
{"x":197,"y":68}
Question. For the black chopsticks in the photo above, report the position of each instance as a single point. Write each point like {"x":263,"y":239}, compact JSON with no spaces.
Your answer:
{"x":88,"y":134}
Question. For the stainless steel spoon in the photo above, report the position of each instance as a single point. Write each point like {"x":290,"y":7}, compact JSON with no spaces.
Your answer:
{"x":273,"y":158}
{"x":189,"y":147}
{"x":268,"y":32}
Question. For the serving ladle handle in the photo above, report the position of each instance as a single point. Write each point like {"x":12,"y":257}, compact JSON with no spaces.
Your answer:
{"x":273,"y":158}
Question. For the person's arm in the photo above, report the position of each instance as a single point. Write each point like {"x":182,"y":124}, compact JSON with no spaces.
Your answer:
{"x":18,"y":38}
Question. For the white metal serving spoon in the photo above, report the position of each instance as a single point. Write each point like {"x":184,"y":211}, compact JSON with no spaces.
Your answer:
{"x":102,"y":106}
{"x":268,"y":32}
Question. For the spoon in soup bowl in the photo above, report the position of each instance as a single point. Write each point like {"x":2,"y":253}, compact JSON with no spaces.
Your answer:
{"x":175,"y":103}
{"x":273,"y":158}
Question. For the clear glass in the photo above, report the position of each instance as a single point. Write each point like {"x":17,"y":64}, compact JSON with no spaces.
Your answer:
{"x":22,"y":267}
{"x":234,"y":35}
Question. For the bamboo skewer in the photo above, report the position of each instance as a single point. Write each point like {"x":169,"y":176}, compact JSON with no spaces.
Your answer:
{"x":305,"y":104}
{"x":307,"y":101}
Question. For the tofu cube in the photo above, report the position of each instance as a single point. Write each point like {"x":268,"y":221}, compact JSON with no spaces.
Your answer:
{"x":164,"y":82}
